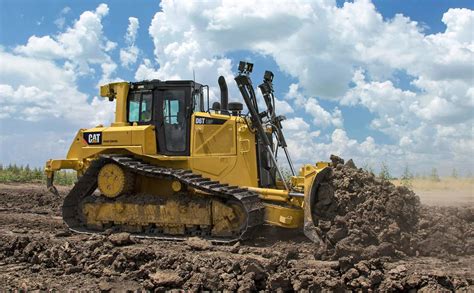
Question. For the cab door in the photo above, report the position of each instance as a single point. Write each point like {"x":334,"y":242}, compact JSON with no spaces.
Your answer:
{"x":173,"y":121}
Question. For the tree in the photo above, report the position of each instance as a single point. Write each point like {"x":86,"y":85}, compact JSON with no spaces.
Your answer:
{"x":434,"y":175}
{"x":407,"y":177}
{"x":454,"y":174}
{"x":384,"y":172}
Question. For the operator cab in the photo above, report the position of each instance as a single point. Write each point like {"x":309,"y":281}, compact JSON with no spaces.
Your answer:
{"x":168,"y":105}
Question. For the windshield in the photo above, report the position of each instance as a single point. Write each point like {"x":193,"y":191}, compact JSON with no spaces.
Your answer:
{"x":140,"y":106}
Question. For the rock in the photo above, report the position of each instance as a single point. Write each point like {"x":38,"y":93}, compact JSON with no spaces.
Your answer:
{"x":413,"y":280}
{"x":246,"y":285}
{"x":279,"y":281}
{"x":345,"y":263}
{"x":194,"y":283}
{"x":166,"y":278}
{"x":105,"y":286}
{"x":120,"y":239}
{"x":350,"y":275}
{"x":336,"y":160}
{"x":197,"y":243}
{"x":72,"y":270}
{"x":292,"y":254}
{"x":106,"y":259}
{"x":256,"y":269}
{"x":350,"y":164}
{"x":385,"y":249}
{"x":375,"y":277}
{"x":362,"y":268}
{"x":64,"y":233}
{"x":235,"y":248}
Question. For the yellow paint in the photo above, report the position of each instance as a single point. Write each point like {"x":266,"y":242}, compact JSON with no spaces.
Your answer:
{"x":283,"y":216}
{"x":176,"y":186}
{"x":173,"y":216}
{"x":225,"y":152}
{"x":118,"y":91}
{"x":111,"y":180}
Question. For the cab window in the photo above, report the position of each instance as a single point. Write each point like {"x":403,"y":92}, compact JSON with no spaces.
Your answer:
{"x":198,"y":101}
{"x":140,"y":107}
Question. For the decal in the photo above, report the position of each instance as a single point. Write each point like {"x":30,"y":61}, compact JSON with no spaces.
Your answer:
{"x":209,"y":121}
{"x":93,"y":137}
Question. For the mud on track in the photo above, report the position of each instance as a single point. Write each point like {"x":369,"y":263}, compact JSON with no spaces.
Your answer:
{"x":37,"y":252}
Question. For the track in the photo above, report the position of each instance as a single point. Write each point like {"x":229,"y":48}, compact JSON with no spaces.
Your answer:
{"x":87,"y":184}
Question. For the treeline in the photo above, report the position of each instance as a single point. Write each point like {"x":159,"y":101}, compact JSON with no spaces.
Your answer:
{"x":407,"y":176}
{"x":14,"y":173}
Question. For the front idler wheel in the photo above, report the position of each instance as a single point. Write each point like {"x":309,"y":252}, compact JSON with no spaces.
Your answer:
{"x":113,"y":180}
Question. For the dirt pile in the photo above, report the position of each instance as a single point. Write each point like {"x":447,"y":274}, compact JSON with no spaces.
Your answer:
{"x":445,"y":231}
{"x":363,"y":217}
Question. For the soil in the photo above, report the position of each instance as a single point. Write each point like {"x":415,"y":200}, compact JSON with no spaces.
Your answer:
{"x":363,"y":217}
{"x":38,"y":252}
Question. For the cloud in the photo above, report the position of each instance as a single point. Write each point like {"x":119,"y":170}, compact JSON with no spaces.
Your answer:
{"x":83,"y":44}
{"x":321,"y":117}
{"x":42,"y":109}
{"x":348,"y":55}
{"x":61,"y":20}
{"x":129,"y":55}
{"x":42,"y":106}
{"x":34,"y":90}
{"x":132,"y":30}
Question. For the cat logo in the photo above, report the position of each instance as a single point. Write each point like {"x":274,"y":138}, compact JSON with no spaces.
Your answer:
{"x":93,"y":137}
{"x":200,"y":120}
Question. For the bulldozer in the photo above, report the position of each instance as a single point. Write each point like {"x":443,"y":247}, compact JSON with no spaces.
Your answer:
{"x":171,"y":166}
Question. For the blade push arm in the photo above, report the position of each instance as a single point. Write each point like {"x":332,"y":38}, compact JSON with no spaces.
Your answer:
{"x":268,"y":95}
{"x":246,"y":89}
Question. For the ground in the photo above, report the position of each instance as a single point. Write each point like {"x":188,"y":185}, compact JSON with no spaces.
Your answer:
{"x":38,"y":252}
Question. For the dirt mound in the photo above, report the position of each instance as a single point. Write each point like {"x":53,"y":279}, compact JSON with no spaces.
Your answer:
{"x":363,"y":217}
{"x":445,"y":231}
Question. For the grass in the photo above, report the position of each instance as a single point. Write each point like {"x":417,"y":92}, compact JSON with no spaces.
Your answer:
{"x":25,"y":174}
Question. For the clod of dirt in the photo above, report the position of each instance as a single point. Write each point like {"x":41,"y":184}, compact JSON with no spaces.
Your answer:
{"x":105,"y":286}
{"x":166,"y":278}
{"x":197,"y":243}
{"x":120,"y":239}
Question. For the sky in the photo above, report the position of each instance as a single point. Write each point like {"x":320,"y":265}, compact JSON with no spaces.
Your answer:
{"x":377,"y":81}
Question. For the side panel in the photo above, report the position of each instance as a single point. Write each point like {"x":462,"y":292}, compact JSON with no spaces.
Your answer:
{"x":213,"y":136}
{"x":138,"y":139}
{"x":223,"y":148}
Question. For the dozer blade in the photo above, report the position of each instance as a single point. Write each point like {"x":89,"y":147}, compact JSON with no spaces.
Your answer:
{"x":317,"y":202}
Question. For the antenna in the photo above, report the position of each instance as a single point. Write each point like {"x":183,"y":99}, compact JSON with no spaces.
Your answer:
{"x":194,"y":76}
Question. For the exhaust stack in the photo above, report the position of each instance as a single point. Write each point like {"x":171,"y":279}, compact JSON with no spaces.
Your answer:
{"x":224,"y":95}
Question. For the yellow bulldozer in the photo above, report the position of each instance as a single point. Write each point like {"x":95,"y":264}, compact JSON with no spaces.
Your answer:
{"x":171,"y":166}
